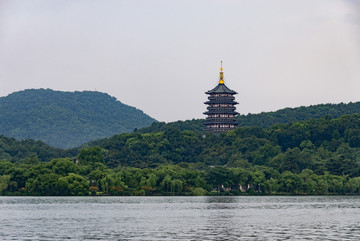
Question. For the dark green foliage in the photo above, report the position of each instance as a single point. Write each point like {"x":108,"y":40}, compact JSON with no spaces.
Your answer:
{"x":63,"y":166}
{"x":73,"y":185}
{"x":287,"y":115}
{"x":219,"y":175}
{"x":192,"y":125}
{"x":287,"y":147}
{"x":45,"y":184}
{"x":66,"y":119}
{"x":89,"y":156}
{"x":268,"y":119}
{"x":30,"y":151}
{"x":317,"y":156}
{"x":4,"y":183}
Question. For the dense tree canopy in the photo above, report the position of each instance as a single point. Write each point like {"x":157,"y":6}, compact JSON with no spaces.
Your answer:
{"x":266,"y":119}
{"x":30,"y":151}
{"x":317,"y":156}
{"x":66,"y":119}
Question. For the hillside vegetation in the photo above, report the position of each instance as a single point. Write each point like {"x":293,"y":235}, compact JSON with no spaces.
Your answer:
{"x":66,"y":119}
{"x":317,"y":156}
{"x":30,"y":151}
{"x":287,"y":115}
{"x":266,"y":119}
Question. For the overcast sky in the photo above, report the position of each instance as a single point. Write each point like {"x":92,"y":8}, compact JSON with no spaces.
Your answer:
{"x":161,"y":56}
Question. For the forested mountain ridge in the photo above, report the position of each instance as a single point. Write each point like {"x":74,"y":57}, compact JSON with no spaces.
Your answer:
{"x":287,"y":115}
{"x":66,"y":119}
{"x":321,"y":138}
{"x":266,"y":119}
{"x":30,"y":151}
{"x":316,"y":156}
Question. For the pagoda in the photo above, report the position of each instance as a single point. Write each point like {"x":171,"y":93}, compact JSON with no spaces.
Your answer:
{"x":221,"y":114}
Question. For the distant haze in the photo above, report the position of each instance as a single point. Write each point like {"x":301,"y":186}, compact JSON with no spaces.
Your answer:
{"x":161,"y":56}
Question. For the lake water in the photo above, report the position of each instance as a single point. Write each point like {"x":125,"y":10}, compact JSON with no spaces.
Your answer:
{"x":180,"y":218}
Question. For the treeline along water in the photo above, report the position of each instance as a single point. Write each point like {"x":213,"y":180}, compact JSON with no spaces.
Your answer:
{"x":180,"y":218}
{"x":319,"y":156}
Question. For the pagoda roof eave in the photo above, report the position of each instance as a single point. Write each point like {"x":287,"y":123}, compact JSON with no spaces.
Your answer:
{"x":221,"y":122}
{"x":221,"y":89}
{"x":231,"y":102}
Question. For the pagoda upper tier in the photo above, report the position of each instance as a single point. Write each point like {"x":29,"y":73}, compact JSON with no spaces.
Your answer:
{"x":221,"y":114}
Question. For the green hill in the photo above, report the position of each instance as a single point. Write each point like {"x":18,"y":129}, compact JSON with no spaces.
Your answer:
{"x":66,"y":119}
{"x":266,"y":119}
{"x":30,"y":151}
{"x":317,"y":156}
{"x":320,"y":145}
{"x":287,"y":115}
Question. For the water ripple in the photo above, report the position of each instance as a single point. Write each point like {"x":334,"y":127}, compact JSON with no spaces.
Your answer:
{"x":180,"y":218}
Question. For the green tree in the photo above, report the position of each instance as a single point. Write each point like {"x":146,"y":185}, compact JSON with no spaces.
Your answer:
{"x":241,"y":176}
{"x":73,"y":185}
{"x":46,"y":185}
{"x":262,"y":155}
{"x":165,"y":184}
{"x":218,"y":176}
{"x":198,"y":191}
{"x":309,"y":181}
{"x":113,"y":184}
{"x":292,"y":160}
{"x":289,"y":182}
{"x":272,"y":185}
{"x":63,"y":166}
{"x":4,"y":183}
{"x":353,"y":185}
{"x":95,"y":176}
{"x":176,"y":186}
{"x":89,"y":156}
{"x":343,"y":163}
{"x":258,"y":181}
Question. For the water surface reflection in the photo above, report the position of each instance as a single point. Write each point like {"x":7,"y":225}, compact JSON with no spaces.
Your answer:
{"x":179,"y":218}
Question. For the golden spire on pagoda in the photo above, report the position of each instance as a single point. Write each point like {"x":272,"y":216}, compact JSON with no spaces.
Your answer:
{"x":221,"y":81}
